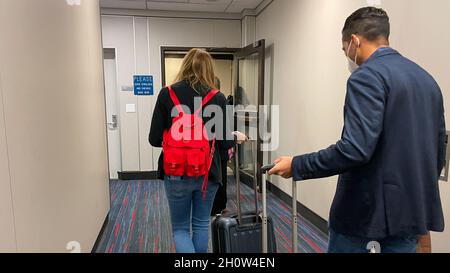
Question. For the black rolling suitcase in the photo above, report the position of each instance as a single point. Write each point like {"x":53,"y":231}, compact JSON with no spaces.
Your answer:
{"x":244,"y":232}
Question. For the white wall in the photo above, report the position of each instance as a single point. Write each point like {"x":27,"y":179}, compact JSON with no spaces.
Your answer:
{"x":7,"y":232}
{"x":306,"y":73}
{"x":138,"y":41}
{"x":53,"y":118}
{"x":420,"y":32}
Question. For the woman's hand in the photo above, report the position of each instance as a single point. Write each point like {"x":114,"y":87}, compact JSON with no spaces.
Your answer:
{"x":240,"y":137}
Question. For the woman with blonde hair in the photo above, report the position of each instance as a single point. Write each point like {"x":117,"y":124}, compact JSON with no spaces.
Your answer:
{"x":190,"y":198}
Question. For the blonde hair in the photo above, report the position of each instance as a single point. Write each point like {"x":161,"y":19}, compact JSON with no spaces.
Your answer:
{"x":198,"y":69}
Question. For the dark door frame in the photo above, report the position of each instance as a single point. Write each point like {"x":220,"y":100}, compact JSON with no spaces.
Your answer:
{"x":239,"y":54}
{"x":214,"y":51}
{"x":259,"y":48}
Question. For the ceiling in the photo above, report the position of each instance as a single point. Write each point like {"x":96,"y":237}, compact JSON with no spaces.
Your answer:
{"x":226,"y":6}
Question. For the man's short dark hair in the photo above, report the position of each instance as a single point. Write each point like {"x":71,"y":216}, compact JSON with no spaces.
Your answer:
{"x":370,"y":22}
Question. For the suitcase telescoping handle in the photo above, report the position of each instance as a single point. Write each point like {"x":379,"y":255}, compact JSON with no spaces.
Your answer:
{"x":264,"y":171}
{"x":253,"y":144}
{"x":238,"y":186}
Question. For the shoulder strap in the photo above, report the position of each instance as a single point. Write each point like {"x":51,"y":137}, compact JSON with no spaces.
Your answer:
{"x":175,"y":100}
{"x":207,"y":99}
{"x":208,"y":169}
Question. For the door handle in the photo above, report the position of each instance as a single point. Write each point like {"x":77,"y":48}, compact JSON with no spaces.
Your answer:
{"x":113,"y":124}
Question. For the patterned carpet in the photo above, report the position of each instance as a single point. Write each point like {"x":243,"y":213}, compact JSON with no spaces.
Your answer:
{"x":139,"y":220}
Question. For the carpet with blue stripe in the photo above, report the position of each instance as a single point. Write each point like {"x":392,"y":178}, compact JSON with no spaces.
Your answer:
{"x":139,"y":220}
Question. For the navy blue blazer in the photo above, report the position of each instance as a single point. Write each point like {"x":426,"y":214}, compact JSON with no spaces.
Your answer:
{"x":391,"y":152}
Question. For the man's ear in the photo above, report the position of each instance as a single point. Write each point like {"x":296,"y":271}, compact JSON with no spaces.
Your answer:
{"x":356,"y":40}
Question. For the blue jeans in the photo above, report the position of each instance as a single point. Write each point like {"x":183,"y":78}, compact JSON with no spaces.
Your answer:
{"x":339,"y":243}
{"x":187,"y":206}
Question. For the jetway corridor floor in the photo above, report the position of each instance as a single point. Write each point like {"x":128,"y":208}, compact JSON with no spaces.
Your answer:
{"x":139,"y":220}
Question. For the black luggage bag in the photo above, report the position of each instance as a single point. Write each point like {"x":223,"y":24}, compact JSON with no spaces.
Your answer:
{"x":244,"y":232}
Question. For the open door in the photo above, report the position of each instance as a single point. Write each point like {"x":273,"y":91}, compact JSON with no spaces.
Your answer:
{"x":248,"y":97}
{"x":112,"y":111}
{"x":241,"y":72}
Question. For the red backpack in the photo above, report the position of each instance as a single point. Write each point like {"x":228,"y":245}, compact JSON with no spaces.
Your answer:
{"x":186,"y":145}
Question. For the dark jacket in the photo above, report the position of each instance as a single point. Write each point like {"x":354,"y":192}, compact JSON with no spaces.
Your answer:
{"x":162,"y":121}
{"x":391,"y":152}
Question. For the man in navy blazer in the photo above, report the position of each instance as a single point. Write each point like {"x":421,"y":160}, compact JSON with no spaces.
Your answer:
{"x":392,"y":149}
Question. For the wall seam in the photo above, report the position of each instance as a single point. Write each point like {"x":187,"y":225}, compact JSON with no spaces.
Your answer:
{"x":243,"y":31}
{"x":150,"y":72}
{"x":9,"y":165}
{"x":105,"y":125}
{"x":137,"y":97}
{"x":104,"y":97}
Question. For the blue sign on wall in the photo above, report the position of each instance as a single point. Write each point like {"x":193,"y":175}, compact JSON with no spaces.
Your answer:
{"x":143,"y":85}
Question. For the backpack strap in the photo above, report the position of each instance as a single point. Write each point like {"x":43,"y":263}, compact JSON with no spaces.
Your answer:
{"x":175,"y":100}
{"x":207,"y":99}
{"x":208,"y":169}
